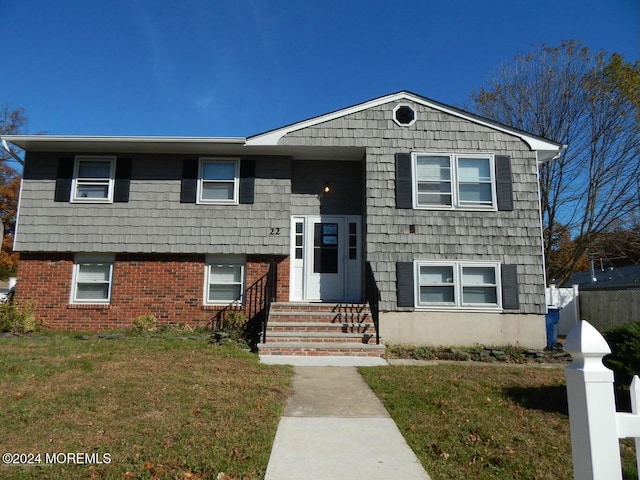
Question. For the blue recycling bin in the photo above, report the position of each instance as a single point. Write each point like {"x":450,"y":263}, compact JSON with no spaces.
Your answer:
{"x":552,"y":317}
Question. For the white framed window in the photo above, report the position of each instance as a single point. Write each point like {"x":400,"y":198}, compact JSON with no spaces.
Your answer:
{"x":218,"y":180}
{"x":465,"y":285}
{"x":404,"y":115}
{"x":224,"y":279}
{"x":92,"y":279}
{"x":93,"y":179}
{"x":449,"y":181}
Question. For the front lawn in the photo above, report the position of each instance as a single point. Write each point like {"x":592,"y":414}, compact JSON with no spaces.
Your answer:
{"x":483,"y":422}
{"x":169,"y":407}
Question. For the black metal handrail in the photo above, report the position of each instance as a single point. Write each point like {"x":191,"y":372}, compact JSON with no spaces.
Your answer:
{"x":269,"y":295}
{"x":255,"y":304}
{"x":372,"y":296}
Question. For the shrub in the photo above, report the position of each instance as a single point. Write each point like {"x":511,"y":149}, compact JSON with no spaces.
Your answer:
{"x":233,"y":323}
{"x":144,"y":323}
{"x":414,"y":352}
{"x":624,"y":360}
{"x":17,"y":318}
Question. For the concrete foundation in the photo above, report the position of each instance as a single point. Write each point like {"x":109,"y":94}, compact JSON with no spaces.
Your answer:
{"x":463,"y":329}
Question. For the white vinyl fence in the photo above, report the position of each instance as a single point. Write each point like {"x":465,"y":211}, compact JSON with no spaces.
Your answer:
{"x":595,"y":424}
{"x":567,"y":300}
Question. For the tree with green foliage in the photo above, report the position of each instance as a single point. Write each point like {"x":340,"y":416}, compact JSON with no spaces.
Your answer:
{"x":12,"y":122}
{"x":590,"y":102}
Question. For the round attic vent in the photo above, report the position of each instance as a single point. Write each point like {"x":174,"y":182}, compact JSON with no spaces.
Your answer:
{"x":404,"y":115}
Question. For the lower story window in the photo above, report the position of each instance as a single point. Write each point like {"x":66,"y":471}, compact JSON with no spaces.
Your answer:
{"x":224,"y":279}
{"x":458,"y":284}
{"x":92,"y":279}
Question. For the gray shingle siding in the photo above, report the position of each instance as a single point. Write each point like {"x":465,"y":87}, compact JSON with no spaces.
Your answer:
{"x":154,"y":220}
{"x":308,"y":179}
{"x":511,"y":237}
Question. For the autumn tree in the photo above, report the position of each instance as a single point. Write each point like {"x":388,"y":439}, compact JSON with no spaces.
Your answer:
{"x":12,"y":121}
{"x":590,"y":102}
{"x":561,"y":251}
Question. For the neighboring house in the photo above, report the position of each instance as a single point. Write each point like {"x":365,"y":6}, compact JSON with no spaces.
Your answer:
{"x":435,"y":207}
{"x":600,"y":278}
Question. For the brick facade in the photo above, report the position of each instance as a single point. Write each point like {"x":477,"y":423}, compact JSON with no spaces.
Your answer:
{"x":171,"y":287}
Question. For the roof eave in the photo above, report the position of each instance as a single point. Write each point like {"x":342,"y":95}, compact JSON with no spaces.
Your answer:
{"x":548,"y":148}
{"x":57,"y":143}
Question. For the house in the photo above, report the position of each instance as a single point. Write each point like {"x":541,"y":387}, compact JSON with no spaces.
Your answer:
{"x":425,"y":213}
{"x":601,"y":278}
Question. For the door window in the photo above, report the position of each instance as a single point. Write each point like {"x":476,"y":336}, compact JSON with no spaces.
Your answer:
{"x":325,"y":248}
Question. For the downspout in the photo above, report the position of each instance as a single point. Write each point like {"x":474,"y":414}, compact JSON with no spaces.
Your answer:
{"x":544,"y":266}
{"x":15,"y":228}
{"x":538,"y":163}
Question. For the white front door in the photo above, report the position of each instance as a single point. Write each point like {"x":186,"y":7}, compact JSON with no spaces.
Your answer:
{"x":326,"y":263}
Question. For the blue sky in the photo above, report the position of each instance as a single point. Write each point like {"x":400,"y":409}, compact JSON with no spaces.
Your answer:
{"x":240,"y":67}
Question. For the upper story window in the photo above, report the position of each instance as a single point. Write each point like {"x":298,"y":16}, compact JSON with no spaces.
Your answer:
{"x":458,"y":285}
{"x":453,"y":181}
{"x":92,"y":278}
{"x":218,"y":180}
{"x":93,"y":179}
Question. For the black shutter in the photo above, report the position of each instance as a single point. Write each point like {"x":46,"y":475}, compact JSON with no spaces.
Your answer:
{"x":504,"y":187}
{"x":189,"y":183}
{"x":247,"y":181}
{"x":404,"y":275}
{"x":27,"y":168}
{"x":510,"y":298}
{"x":63,"y":180}
{"x":123,"y":180}
{"x":404,"y":195}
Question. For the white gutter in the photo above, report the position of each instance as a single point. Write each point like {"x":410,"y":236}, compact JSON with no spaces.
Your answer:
{"x":17,"y":139}
{"x":33,"y":143}
{"x":557,"y":155}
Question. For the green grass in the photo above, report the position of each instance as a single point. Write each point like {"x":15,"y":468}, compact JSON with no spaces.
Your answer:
{"x":483,"y":422}
{"x":161,"y":407}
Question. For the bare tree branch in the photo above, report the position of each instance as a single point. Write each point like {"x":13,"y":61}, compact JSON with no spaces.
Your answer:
{"x":592,"y":103}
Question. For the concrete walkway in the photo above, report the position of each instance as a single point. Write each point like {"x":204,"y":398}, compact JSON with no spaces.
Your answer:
{"x":335,"y":428}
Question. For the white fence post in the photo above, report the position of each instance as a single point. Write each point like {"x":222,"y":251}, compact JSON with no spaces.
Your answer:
{"x":592,"y":408}
{"x":635,"y":406}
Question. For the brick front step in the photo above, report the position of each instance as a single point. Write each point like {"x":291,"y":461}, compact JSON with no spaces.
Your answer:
{"x":319,"y":337}
{"x":336,"y":327}
{"x":314,"y":316}
{"x":322,"y":349}
{"x":320,"y":312}
{"x":320,"y":329}
{"x":337,"y":308}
